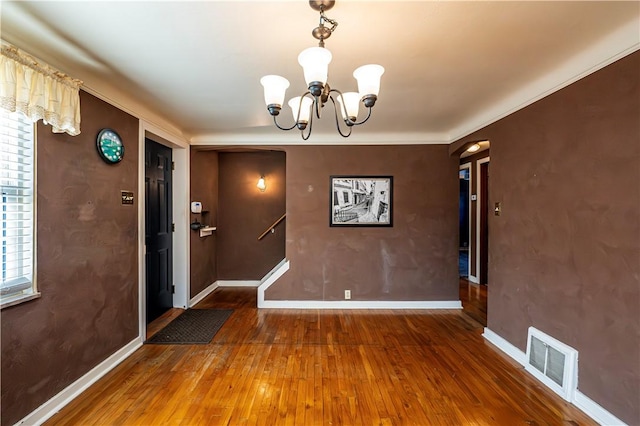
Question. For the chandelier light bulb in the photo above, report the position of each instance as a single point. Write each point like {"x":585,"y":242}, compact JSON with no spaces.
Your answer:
{"x":274,"y":89}
{"x":351,"y":104}
{"x":305,"y":112}
{"x":315,"y":63}
{"x":368,"y":77}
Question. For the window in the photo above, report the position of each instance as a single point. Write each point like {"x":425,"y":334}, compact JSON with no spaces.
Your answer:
{"x":17,"y":181}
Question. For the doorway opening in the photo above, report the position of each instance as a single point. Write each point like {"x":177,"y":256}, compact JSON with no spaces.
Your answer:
{"x":473,"y":215}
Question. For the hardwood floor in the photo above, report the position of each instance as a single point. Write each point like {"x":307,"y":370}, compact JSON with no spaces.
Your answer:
{"x":474,"y":300}
{"x":314,"y":367}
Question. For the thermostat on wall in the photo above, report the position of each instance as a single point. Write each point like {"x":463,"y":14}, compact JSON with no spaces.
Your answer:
{"x":196,"y":207}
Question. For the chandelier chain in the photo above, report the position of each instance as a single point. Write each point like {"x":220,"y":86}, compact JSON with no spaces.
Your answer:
{"x":321,"y":32}
{"x":333,"y":22}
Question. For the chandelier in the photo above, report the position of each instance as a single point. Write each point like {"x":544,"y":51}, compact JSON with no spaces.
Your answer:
{"x":315,"y":63}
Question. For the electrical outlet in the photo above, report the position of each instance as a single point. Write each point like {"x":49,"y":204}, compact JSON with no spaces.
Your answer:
{"x":347,"y":294}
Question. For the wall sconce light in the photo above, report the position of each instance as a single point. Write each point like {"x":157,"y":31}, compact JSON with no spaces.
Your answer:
{"x":261,"y":184}
{"x":473,"y":148}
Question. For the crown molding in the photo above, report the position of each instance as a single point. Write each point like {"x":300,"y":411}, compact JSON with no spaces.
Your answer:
{"x":294,"y":138}
{"x":606,"y":51}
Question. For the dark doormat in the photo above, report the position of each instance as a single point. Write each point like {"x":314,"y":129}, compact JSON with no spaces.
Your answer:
{"x":192,"y":327}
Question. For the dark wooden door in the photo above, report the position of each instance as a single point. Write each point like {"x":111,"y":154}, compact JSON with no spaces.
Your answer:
{"x":158,"y":235}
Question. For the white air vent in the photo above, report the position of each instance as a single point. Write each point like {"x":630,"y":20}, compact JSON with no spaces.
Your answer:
{"x":552,"y":362}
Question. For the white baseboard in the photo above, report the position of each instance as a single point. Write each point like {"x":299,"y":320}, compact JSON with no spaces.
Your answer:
{"x":270,"y":278}
{"x":283,"y":267}
{"x":580,"y":400}
{"x":238,"y":283}
{"x":360,"y":304}
{"x":221,"y":283}
{"x":595,"y":411}
{"x":284,"y":263}
{"x":506,"y":347}
{"x":55,"y":404}
{"x":204,"y":293}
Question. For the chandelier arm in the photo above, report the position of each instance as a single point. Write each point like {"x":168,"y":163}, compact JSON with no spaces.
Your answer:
{"x":275,"y":121}
{"x":310,"y":127}
{"x":357,"y":123}
{"x":343,"y":105}
{"x":313,"y":99}
{"x":317,"y":104}
{"x":335,"y":110}
{"x":297,"y":120}
{"x":344,"y":108}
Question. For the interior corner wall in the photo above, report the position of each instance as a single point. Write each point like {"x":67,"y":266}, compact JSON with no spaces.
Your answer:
{"x":203,"y":188}
{"x":565,"y":253}
{"x":415,"y":260}
{"x":87,"y":264}
{"x":245,"y":213}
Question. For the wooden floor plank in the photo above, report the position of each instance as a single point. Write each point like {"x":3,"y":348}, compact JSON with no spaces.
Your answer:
{"x":313,"y":367}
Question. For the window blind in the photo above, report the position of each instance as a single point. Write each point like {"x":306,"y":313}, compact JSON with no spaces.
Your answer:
{"x":17,"y":185}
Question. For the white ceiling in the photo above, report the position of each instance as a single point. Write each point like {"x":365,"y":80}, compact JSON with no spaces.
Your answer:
{"x":193,"y":67}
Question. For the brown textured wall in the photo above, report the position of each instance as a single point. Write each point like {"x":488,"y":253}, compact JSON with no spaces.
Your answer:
{"x":87,"y":268}
{"x":565,"y":253}
{"x":416,"y":259}
{"x":204,"y":188}
{"x":245,"y":213}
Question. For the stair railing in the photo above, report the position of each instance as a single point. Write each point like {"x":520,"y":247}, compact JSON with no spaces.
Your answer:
{"x":272,"y":227}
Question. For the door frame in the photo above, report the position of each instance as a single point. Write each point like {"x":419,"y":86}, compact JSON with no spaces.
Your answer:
{"x":467,"y":166}
{"x":180,"y":203}
{"x":478,"y":213}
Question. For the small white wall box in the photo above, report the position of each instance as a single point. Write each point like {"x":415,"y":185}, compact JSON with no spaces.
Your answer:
{"x":196,"y":207}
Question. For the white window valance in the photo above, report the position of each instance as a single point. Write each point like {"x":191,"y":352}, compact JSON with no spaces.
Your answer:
{"x":39,"y":91}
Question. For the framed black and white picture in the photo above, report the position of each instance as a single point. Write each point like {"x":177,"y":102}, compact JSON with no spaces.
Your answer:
{"x":361,"y":201}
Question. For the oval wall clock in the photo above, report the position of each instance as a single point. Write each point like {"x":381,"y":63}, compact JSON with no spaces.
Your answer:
{"x":110,"y":146}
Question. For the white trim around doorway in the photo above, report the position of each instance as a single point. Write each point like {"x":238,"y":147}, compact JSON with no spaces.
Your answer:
{"x":466,"y":166}
{"x":476,"y":278}
{"x":180,"y":205}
